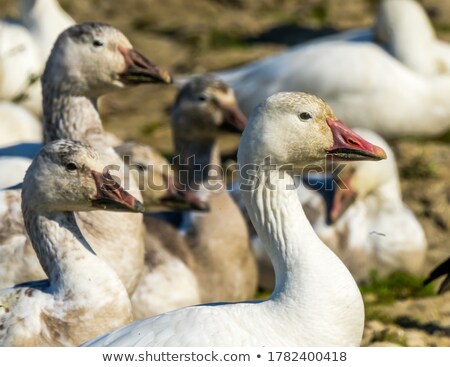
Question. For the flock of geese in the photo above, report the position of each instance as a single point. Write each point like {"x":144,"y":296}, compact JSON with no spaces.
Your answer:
{"x":188,"y":276}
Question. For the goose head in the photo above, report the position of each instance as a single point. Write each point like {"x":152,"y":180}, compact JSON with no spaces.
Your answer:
{"x":204,"y":107}
{"x":299,"y":129}
{"x":361,"y":179}
{"x":69,"y":176}
{"x":97,"y":58}
{"x":156,"y":179}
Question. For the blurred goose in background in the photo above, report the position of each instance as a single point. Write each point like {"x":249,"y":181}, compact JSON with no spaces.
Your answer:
{"x":439,"y":271}
{"x":20,"y":67}
{"x":72,"y":82}
{"x":45,"y":20}
{"x":24,"y":48}
{"x":363,"y":83}
{"x":17,"y":125}
{"x":82,"y":297}
{"x":404,"y":27}
{"x":316,"y":301}
{"x":372,"y":228}
{"x":212,"y":247}
{"x":12,"y":170}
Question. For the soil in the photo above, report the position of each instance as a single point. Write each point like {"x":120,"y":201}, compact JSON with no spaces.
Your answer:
{"x":205,"y":35}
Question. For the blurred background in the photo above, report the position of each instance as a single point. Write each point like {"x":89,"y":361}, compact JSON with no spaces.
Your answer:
{"x":207,"y":35}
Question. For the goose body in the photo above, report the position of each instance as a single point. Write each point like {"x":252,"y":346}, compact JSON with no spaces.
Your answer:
{"x":24,"y":48}
{"x":12,"y":170}
{"x":45,"y":20}
{"x":20,"y":66}
{"x":72,"y":82}
{"x":315,"y":301}
{"x":82,"y":296}
{"x":17,"y":125}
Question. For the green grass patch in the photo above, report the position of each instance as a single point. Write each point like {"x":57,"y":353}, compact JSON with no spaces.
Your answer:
{"x":418,"y":167}
{"x":396,"y":286}
{"x":151,"y":128}
{"x":220,"y":39}
{"x":320,"y":13}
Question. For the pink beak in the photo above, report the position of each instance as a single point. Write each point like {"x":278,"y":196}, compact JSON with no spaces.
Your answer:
{"x":349,"y":146}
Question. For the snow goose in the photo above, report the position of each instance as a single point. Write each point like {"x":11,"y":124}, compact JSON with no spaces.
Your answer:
{"x":316,"y":301}
{"x":45,"y":20}
{"x":17,"y":125}
{"x":83,"y":297}
{"x":404,"y":27}
{"x":20,"y":66}
{"x":363,"y":83}
{"x":87,"y":61}
{"x":213,"y":246}
{"x":24,"y":48}
{"x":12,"y":170}
{"x":373,"y":229}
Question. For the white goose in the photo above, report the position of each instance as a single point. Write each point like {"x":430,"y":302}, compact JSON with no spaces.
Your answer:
{"x":87,"y":61}
{"x":18,"y":125}
{"x":25,"y":47}
{"x":404,"y":27}
{"x":12,"y":170}
{"x":45,"y":20}
{"x":373,"y":229}
{"x":316,"y":301}
{"x":362,"y":82}
{"x":83,"y":297}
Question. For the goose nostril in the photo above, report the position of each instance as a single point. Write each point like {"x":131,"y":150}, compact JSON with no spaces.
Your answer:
{"x":353,"y":142}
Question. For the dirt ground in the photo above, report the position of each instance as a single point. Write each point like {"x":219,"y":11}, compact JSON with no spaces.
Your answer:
{"x":204,"y":35}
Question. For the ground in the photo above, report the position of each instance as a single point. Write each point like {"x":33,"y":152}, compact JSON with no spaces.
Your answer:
{"x":204,"y":35}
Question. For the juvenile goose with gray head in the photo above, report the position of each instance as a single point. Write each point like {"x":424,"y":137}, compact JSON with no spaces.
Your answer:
{"x":83,"y":297}
{"x":213,"y":247}
{"x":87,"y":61}
{"x":316,"y":301}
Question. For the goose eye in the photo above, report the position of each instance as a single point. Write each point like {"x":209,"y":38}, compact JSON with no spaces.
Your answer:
{"x":202,"y":97}
{"x":140,"y":167}
{"x":97,"y":43}
{"x":305,"y":116}
{"x":71,"y":166}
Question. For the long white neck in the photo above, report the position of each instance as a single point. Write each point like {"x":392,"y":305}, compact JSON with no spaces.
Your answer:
{"x":409,"y":34}
{"x":70,"y":263}
{"x":314,"y":290}
{"x":46,"y":20}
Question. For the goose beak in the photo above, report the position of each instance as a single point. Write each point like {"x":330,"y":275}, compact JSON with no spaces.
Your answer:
{"x":111,"y":196}
{"x":349,"y":146}
{"x":177,"y":199}
{"x":139,"y":69}
{"x":342,"y":199}
{"x":234,"y":120}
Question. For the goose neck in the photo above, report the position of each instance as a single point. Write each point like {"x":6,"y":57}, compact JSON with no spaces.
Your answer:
{"x":198,"y":161}
{"x":63,"y":253}
{"x":68,"y":114}
{"x":313,"y":287}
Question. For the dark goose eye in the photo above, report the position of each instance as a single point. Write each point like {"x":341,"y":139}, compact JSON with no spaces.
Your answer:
{"x":305,"y":116}
{"x":71,"y":166}
{"x":202,"y":97}
{"x":97,"y":43}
